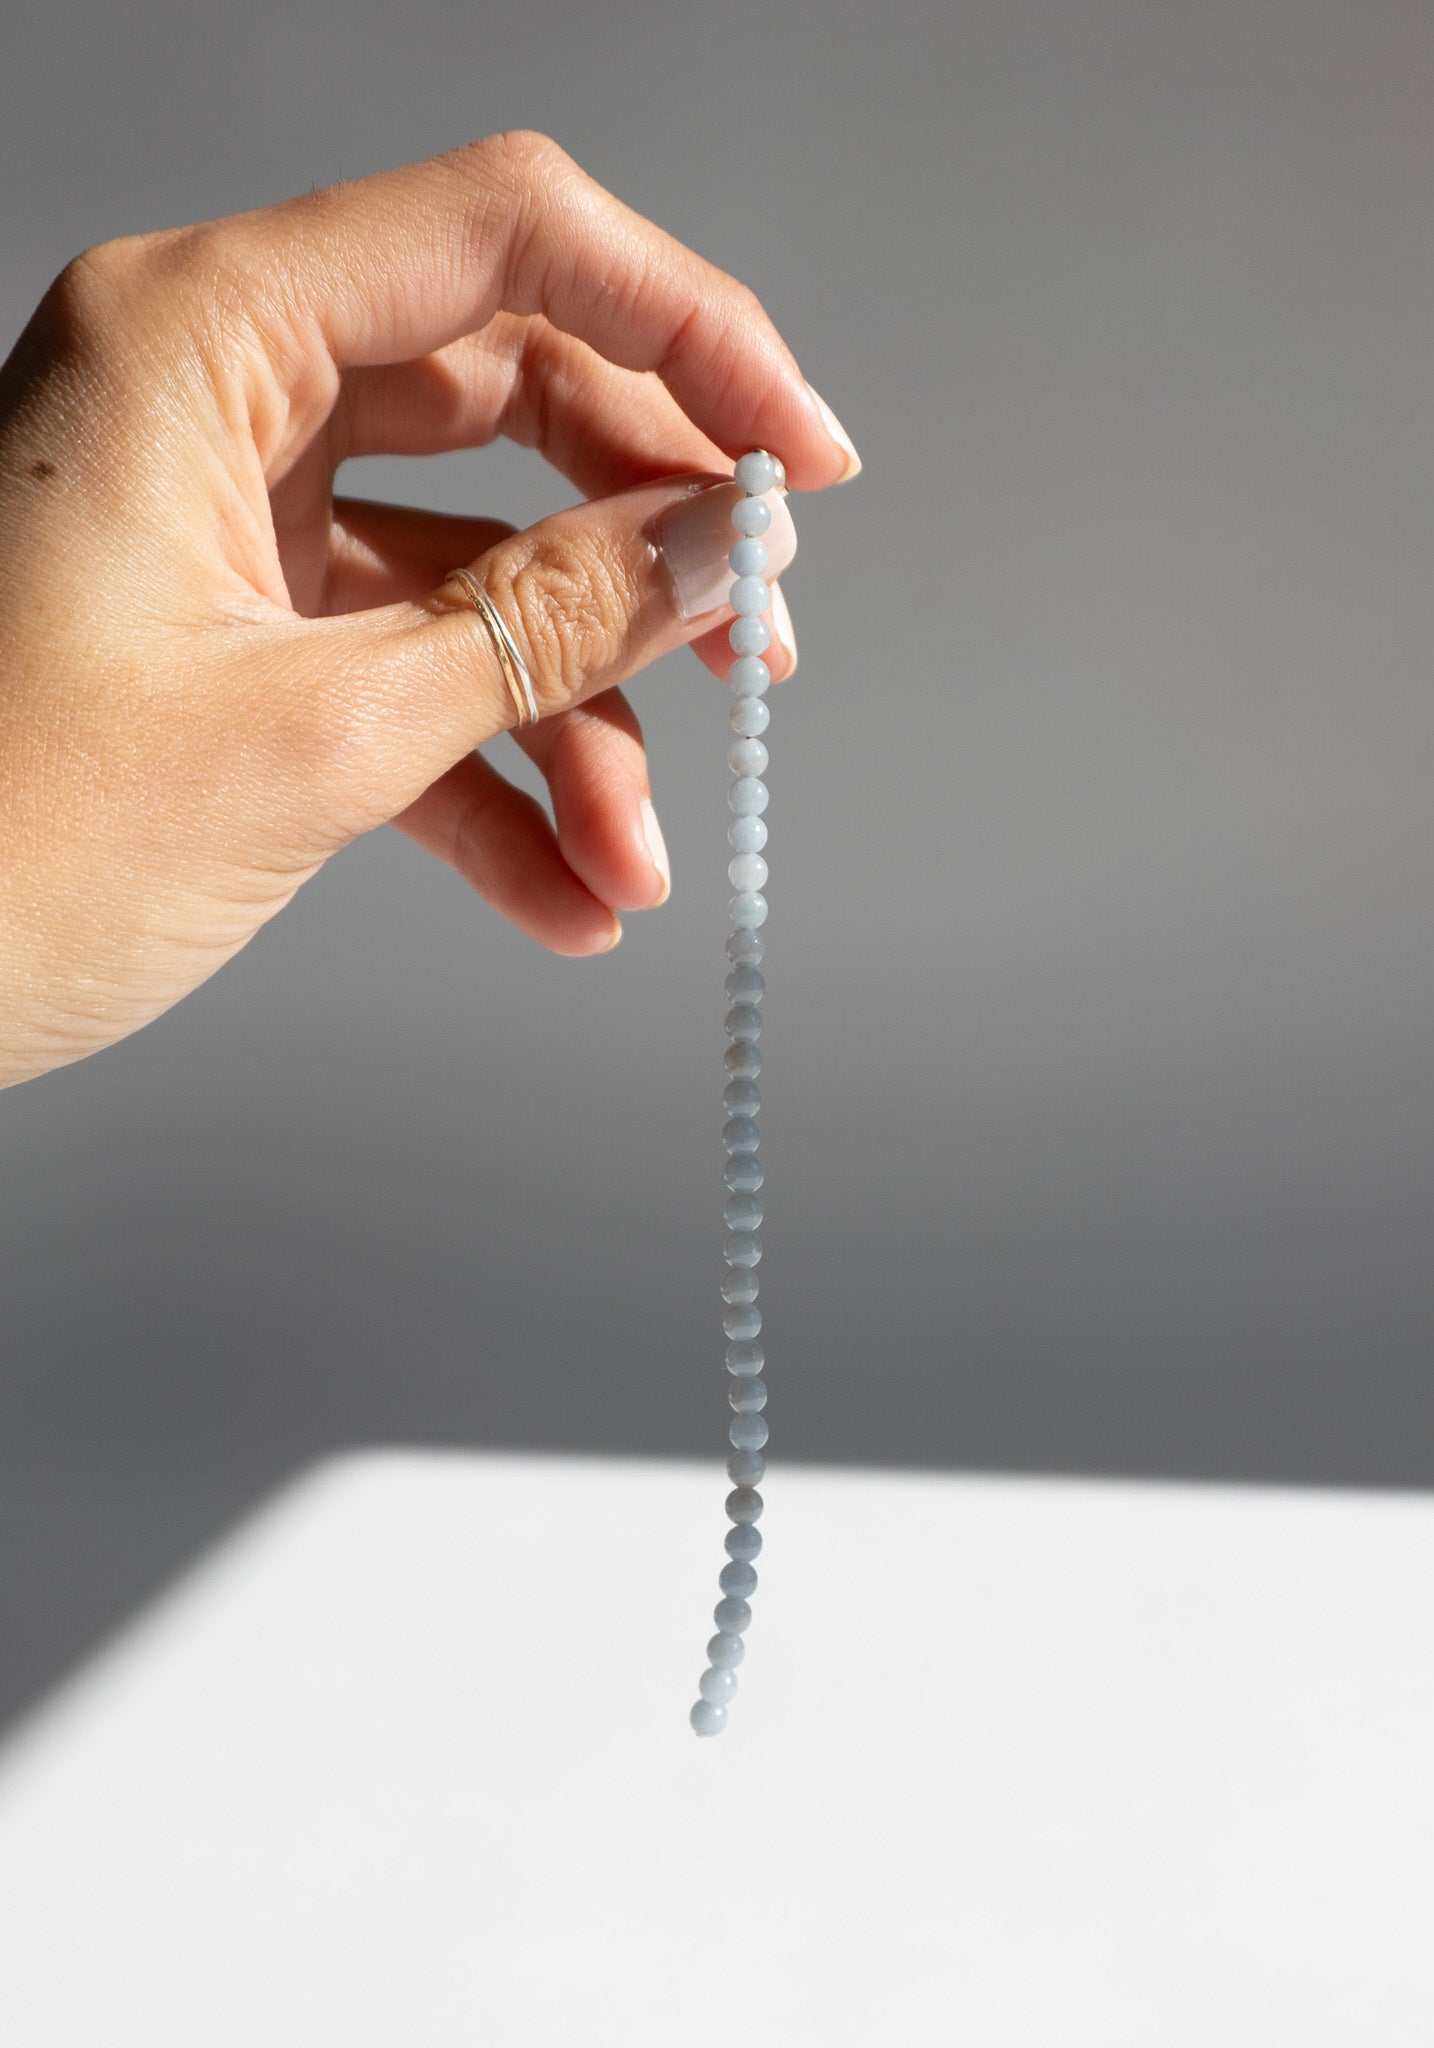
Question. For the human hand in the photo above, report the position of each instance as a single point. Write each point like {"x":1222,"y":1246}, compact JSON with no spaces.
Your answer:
{"x":214,"y":673}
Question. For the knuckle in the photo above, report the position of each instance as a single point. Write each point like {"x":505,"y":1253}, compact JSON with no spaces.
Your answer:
{"x":528,"y":153}
{"x":571,"y":603}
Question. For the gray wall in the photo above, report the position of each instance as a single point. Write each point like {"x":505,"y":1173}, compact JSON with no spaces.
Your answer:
{"x":1101,"y":1128}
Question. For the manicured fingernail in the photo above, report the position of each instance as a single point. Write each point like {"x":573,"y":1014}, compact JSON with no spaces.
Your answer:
{"x":616,"y":935}
{"x":783,"y":628}
{"x":657,"y":851}
{"x":840,"y":435}
{"x":695,"y":534}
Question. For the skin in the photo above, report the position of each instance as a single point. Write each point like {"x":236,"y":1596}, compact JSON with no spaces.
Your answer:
{"x":214,"y":673}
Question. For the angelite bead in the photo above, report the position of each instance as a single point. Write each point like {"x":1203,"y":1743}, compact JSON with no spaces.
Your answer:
{"x":756,"y":472}
{"x":748,"y":636}
{"x":745,"y":985}
{"x":747,"y":1397}
{"x":741,"y":1098}
{"x":724,"y":1651}
{"x":747,"y":871}
{"x":743,"y":1021}
{"x":750,"y":676}
{"x":747,"y":907}
{"x":742,"y":1212}
{"x":749,"y":597}
{"x":750,"y":515}
{"x":708,"y":1718}
{"x":738,"y":1579}
{"x":748,"y":1432}
{"x":744,"y":1358}
{"x":732,"y":1616}
{"x":718,"y":1683}
{"x":746,"y":948}
{"x":744,"y":1504}
{"x":742,"y":1061}
{"x":740,"y":1325}
{"x":748,"y":557}
{"x":744,"y":1173}
{"x":744,"y":1542}
{"x":749,"y":715}
{"x":747,"y":796}
{"x":739,"y":1284}
{"x":740,"y":1134}
{"x":742,"y":1248}
{"x":747,"y":757}
{"x":746,"y":1468}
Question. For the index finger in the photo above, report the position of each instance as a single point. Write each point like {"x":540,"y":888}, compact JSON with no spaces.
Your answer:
{"x":389,"y":267}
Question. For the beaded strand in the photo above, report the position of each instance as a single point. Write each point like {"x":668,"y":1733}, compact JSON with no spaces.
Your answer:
{"x":749,"y":638}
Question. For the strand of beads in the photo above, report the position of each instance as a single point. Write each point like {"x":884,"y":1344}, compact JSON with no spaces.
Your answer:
{"x":749,"y":638}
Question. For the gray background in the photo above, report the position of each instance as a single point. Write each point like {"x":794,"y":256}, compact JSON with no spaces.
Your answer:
{"x":1101,"y":1128}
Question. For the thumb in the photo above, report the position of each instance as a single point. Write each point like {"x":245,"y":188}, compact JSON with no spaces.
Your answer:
{"x":388,"y":699}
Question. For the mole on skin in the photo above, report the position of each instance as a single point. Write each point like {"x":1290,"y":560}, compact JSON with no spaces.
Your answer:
{"x":42,"y":469}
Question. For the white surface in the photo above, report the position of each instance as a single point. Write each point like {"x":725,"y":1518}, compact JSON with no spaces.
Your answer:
{"x":1013,"y":1762}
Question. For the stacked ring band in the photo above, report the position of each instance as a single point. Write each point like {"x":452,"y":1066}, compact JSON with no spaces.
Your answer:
{"x":515,"y":669}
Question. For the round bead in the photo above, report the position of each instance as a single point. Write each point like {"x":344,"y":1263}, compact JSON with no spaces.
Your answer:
{"x":740,"y":1134}
{"x":742,"y":1248}
{"x":748,"y":1432}
{"x":742,"y":1061}
{"x":742,"y":1212}
{"x":745,"y":948}
{"x":779,"y":474}
{"x":746,"y":1468}
{"x":744,"y":1023}
{"x":749,"y":715}
{"x":745,"y":985}
{"x":741,"y":1324}
{"x":732,"y":1616}
{"x":751,"y":515}
{"x":747,"y":835}
{"x":747,"y":1397}
{"x":738,"y":1579}
{"x":744,"y":1505}
{"x":718,"y":1684}
{"x":748,"y":907}
{"x":708,"y":1718}
{"x":756,"y":472}
{"x":748,"y":636}
{"x":747,"y":757}
{"x":747,"y":872}
{"x":744,"y":1358}
{"x":744,"y":1173}
{"x":743,"y":1542}
{"x":741,"y":1098}
{"x":747,"y":556}
{"x":739,"y":1284}
{"x":747,"y":796}
{"x":749,"y":597}
{"x":724,"y":1651}
{"x":749,"y":677}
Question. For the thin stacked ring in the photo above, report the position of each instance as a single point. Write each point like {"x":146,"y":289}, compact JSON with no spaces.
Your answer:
{"x":749,"y":676}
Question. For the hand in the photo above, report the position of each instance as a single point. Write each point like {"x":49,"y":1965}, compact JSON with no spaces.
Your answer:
{"x":214,"y":673}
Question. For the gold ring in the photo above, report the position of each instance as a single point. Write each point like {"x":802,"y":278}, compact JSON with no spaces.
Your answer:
{"x":515,"y":669}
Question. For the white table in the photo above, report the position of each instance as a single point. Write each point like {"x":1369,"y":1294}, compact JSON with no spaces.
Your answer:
{"x":1012,"y":1762}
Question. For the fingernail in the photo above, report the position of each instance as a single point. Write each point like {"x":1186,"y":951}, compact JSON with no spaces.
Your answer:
{"x":695,"y":535}
{"x":616,"y":935}
{"x":657,"y":851}
{"x":783,"y":628}
{"x":840,"y":435}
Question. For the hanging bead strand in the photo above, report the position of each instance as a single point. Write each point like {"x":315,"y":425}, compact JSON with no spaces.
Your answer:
{"x":749,"y":638}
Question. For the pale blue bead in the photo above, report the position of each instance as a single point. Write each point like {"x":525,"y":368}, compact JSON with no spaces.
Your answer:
{"x":742,"y":1061}
{"x":742,"y":1212}
{"x":745,"y":985}
{"x":748,"y":636}
{"x":741,"y":1098}
{"x":748,"y":1432}
{"x":748,"y":796}
{"x":756,"y":472}
{"x":749,"y":716}
{"x":732,"y":1616}
{"x":747,"y":757}
{"x":742,"y":1323}
{"x":718,"y":1685}
{"x":740,"y":1134}
{"x":747,"y":872}
{"x":747,"y":835}
{"x":742,"y":1248}
{"x":747,"y":1396}
{"x":739,"y":1285}
{"x":724,"y":1651}
{"x":744,"y":1358}
{"x":749,"y":597}
{"x":748,"y":556}
{"x":745,"y":948}
{"x":744,"y":1543}
{"x":744,"y":1173}
{"x":751,"y":515}
{"x":743,"y":1021}
{"x":746,"y":1468}
{"x":744,"y":1504}
{"x":748,"y":907}
{"x":708,"y":1718}
{"x":738,"y":1579}
{"x":749,"y":677}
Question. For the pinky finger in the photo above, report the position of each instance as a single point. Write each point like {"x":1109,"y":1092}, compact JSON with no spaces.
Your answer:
{"x":499,"y":839}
